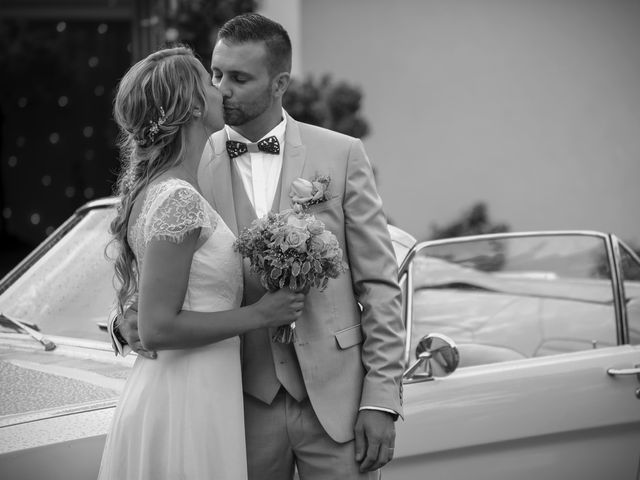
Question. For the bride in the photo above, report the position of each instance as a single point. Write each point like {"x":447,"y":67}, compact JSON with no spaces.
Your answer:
{"x":179,"y":416}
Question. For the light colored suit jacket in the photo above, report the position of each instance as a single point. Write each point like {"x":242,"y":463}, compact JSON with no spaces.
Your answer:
{"x":350,"y":338}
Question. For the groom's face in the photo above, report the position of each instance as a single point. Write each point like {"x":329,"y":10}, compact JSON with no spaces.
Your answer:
{"x":240,"y":71}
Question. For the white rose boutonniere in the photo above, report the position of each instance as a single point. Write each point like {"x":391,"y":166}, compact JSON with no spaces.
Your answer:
{"x":305,"y":193}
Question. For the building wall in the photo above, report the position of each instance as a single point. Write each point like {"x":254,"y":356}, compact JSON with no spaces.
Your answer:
{"x":531,"y":106}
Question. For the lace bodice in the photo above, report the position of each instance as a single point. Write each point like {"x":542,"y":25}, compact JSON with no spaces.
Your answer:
{"x":171,"y":209}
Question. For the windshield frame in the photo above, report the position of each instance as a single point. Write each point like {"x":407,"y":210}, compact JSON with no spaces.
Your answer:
{"x":612,"y":248}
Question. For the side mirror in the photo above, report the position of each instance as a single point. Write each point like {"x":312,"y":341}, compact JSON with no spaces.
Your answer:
{"x":437,"y":356}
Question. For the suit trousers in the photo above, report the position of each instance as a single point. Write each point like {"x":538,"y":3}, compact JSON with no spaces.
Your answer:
{"x":286,"y":435}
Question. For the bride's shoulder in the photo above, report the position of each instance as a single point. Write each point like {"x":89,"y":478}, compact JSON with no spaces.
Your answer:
{"x":172,"y":208}
{"x":173,"y":194}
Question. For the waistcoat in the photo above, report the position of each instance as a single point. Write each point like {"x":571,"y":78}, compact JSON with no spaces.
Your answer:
{"x":266,"y":365}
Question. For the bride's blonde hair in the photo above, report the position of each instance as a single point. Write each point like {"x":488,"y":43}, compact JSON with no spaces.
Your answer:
{"x":155,"y":99}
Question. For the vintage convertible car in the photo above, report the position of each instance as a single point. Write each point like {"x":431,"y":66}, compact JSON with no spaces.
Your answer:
{"x":522,"y":353}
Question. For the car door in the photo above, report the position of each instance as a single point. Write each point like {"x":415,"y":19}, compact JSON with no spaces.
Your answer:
{"x":547,"y":384}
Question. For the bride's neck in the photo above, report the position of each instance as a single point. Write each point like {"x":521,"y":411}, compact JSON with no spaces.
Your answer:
{"x":195,"y":140}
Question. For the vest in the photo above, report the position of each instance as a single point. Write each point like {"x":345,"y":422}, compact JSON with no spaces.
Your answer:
{"x":266,"y":365}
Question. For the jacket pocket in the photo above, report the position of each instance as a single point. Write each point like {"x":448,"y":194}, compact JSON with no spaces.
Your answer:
{"x":348,"y":337}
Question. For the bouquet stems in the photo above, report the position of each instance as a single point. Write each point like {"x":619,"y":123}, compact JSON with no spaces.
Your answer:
{"x":284,"y":333}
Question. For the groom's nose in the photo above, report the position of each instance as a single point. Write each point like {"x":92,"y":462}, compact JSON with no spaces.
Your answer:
{"x":224,"y":89}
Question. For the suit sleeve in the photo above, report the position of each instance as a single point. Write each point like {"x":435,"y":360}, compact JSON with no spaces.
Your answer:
{"x":118,"y":348}
{"x":374,"y":272}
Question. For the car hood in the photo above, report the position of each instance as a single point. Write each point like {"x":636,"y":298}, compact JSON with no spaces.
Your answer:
{"x":77,"y":376}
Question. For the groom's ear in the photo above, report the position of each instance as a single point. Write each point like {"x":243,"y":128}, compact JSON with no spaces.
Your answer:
{"x":280,"y":83}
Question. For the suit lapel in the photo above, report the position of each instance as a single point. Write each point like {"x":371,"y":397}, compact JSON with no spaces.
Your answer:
{"x":221,"y":182}
{"x":292,"y":162}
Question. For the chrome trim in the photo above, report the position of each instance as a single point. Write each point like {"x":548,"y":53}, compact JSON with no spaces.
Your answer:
{"x":495,"y":236}
{"x":624,"y":371}
{"x":622,"y":327}
{"x":629,"y":250}
{"x":408,"y":311}
{"x":65,"y":345}
{"x":37,"y":336}
{"x":22,"y":418}
{"x":408,"y":377}
{"x":107,"y":202}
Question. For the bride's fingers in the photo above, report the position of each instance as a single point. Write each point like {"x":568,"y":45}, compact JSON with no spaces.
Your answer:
{"x":139,"y":349}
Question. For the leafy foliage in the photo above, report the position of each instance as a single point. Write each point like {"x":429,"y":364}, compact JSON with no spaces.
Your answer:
{"x":196,"y":22}
{"x":328,"y":104}
{"x":474,"y":221}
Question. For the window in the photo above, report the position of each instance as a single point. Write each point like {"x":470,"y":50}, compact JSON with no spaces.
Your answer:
{"x":515,"y":297}
{"x":69,"y":290}
{"x":631,"y":281}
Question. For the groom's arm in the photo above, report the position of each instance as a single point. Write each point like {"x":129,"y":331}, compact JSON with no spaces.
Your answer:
{"x":124,"y":333}
{"x":374,"y":272}
{"x":118,"y":343}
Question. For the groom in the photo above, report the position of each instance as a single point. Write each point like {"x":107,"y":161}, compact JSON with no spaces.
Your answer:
{"x":327,"y":402}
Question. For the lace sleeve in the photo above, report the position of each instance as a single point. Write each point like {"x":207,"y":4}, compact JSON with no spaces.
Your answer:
{"x":175,"y":213}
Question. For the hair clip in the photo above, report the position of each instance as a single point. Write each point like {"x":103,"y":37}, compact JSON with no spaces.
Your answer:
{"x":155,"y":125}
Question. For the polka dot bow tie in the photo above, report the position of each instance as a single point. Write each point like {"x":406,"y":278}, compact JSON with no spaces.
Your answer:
{"x":267,"y":145}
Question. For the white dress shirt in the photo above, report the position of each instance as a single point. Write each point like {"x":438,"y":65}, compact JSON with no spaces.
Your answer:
{"x":260,"y":171}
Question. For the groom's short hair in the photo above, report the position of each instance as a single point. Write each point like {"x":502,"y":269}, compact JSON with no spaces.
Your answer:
{"x":253,"y":27}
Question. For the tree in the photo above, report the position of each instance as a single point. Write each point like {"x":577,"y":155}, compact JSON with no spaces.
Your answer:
{"x":474,"y":221}
{"x":196,"y":22}
{"x":322,"y":102}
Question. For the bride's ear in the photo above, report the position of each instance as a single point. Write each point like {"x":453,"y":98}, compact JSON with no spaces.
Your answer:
{"x":197,"y":112}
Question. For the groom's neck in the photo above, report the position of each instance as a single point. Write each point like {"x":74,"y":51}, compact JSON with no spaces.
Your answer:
{"x":255,"y":129}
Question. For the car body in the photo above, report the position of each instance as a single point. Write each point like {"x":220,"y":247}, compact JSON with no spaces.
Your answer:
{"x":546,"y":330}
{"x":528,"y":355}
{"x":57,"y":404}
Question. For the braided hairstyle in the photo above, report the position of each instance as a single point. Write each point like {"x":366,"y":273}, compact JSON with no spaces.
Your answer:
{"x":155,"y":99}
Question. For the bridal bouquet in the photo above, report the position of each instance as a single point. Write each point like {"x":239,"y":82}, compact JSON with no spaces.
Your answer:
{"x":291,"y":249}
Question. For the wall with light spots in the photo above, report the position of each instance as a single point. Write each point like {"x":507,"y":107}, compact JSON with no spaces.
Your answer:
{"x":58,"y":137}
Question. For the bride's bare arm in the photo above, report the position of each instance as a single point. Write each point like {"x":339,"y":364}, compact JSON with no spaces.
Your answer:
{"x":162,"y":324}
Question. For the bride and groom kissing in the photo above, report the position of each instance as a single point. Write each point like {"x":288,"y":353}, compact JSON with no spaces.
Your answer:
{"x":202,"y":159}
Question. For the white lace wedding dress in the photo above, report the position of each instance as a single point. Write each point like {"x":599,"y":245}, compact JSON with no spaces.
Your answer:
{"x":180,"y":416}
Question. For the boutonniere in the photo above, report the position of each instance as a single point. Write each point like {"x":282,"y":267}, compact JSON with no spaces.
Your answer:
{"x":305,"y":193}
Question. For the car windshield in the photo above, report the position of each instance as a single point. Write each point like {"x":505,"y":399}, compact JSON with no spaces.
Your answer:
{"x":68,"y":291}
{"x":515,"y":297}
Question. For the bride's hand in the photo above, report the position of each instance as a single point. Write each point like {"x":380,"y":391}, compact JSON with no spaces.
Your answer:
{"x":281,"y":307}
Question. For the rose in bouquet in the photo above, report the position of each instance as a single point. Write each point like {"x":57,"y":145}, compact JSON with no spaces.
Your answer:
{"x":291,"y":249}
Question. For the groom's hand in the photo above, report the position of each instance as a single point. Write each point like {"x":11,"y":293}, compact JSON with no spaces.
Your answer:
{"x":128,"y":329}
{"x":375,"y":439}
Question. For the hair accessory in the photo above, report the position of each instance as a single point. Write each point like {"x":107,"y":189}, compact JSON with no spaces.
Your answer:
{"x":155,"y":125}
